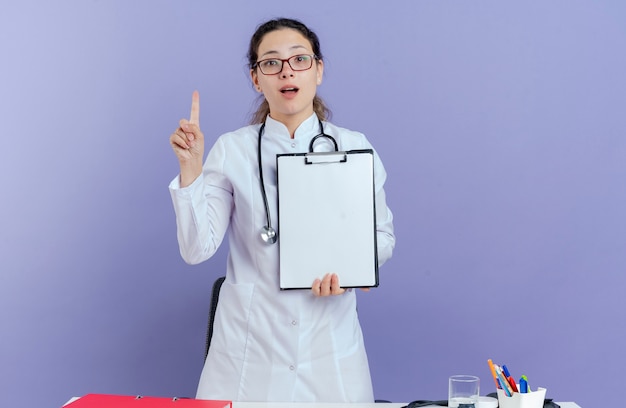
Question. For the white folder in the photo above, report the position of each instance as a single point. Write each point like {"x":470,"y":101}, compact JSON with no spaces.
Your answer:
{"x":327,"y":218}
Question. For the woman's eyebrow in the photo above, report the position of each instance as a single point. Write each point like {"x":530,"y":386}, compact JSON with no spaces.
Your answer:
{"x":293,"y":47}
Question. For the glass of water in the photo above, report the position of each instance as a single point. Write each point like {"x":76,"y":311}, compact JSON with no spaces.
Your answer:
{"x":463,"y":391}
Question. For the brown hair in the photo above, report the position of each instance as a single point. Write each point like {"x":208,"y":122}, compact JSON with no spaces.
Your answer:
{"x":319,"y":107}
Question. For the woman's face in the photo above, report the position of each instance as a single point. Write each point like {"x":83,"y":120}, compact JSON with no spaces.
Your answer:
{"x":289,"y":93}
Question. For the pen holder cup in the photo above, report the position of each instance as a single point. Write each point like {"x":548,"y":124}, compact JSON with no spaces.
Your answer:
{"x":533,"y":399}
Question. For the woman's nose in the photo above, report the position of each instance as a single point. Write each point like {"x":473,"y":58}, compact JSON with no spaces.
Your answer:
{"x":286,"y":71}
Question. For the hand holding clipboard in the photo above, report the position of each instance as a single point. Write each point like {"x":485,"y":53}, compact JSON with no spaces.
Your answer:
{"x":329,"y":285}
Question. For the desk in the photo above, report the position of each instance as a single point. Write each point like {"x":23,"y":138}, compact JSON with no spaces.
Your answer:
{"x":335,"y":405}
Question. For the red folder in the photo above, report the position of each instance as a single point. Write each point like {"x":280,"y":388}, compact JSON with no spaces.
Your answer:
{"x":123,"y":401}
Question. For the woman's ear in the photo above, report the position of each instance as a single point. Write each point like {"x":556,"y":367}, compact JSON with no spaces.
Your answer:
{"x":320,"y":71}
{"x":255,"y":80}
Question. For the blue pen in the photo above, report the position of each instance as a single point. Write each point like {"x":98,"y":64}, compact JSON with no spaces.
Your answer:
{"x":506,"y":371}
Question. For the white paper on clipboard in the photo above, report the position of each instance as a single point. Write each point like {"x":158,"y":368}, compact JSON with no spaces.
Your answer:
{"x":327,"y":218}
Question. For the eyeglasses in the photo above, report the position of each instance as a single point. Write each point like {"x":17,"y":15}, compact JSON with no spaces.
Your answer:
{"x":274,"y":66}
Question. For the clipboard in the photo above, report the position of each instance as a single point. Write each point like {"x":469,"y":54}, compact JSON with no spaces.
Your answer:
{"x":327,"y":217}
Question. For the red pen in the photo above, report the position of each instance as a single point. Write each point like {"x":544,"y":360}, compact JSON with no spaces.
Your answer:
{"x":509,"y":378}
{"x":513,"y":385}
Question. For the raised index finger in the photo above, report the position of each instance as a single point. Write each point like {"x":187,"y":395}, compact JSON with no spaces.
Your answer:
{"x":194,"y":117}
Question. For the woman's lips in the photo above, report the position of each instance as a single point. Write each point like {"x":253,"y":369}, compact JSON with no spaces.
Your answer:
{"x":289,"y":91}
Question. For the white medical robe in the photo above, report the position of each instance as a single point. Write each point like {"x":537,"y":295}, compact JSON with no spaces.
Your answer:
{"x":268,"y":344}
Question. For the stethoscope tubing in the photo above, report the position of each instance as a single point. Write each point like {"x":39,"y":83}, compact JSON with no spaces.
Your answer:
{"x":268,"y":234}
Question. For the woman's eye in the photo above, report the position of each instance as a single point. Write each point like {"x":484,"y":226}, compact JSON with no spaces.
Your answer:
{"x":270,"y":63}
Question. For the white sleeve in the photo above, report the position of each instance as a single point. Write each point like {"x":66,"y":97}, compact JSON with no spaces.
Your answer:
{"x":203,"y":209}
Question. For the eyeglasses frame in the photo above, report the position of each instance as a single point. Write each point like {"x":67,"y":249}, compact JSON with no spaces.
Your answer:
{"x":283,"y":60}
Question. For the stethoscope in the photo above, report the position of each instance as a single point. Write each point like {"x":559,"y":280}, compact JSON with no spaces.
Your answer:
{"x":268,"y":233}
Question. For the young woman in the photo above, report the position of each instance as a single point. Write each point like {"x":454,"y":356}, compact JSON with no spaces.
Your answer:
{"x":268,"y":344}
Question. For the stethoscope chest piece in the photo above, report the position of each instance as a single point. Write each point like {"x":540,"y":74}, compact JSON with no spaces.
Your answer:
{"x":268,"y":235}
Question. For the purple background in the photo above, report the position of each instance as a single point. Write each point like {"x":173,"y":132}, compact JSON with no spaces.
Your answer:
{"x":502,"y":128}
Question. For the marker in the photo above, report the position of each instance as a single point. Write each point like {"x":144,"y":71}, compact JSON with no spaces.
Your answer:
{"x":493,"y":373}
{"x":523,"y":385}
{"x":509,"y":378}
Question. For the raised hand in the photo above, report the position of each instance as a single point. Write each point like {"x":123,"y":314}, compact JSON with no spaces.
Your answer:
{"x":188,"y":144}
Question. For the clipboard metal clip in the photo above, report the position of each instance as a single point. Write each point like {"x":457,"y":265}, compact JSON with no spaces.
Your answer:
{"x":325,"y":157}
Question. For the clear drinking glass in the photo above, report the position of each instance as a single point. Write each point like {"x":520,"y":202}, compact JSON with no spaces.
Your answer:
{"x":463,"y":391}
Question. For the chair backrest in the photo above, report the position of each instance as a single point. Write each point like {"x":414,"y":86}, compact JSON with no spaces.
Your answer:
{"x":215,"y":295}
